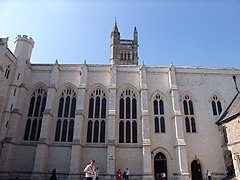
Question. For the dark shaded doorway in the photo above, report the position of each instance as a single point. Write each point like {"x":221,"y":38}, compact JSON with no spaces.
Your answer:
{"x":196,"y":170}
{"x":229,"y":164}
{"x":160,"y":165}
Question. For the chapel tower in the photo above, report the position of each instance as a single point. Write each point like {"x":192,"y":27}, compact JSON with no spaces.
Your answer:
{"x":123,"y":51}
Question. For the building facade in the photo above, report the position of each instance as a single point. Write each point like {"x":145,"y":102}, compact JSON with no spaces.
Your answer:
{"x":150,"y":119}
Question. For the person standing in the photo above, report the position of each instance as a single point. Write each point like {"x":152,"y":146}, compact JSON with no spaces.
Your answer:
{"x":127,"y":172}
{"x":163,"y":176}
{"x":119,"y":175}
{"x":209,"y":175}
{"x":53,"y":176}
{"x":89,"y":170}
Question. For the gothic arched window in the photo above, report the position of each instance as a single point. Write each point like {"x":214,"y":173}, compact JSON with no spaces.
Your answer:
{"x":97,"y":116}
{"x":216,"y":105}
{"x":66,"y":116}
{"x":35,"y":114}
{"x":128,"y":117}
{"x":158,"y":111}
{"x":189,"y":114}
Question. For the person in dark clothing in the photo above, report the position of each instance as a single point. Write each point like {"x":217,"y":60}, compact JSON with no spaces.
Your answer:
{"x":53,"y":176}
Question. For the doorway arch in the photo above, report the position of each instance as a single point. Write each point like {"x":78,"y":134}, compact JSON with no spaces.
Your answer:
{"x":196,"y":170}
{"x":160,"y":165}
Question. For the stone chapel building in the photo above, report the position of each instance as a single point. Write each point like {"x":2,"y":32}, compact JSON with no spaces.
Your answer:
{"x":150,"y":119}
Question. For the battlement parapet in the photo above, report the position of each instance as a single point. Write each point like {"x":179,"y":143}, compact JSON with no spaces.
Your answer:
{"x":25,"y":38}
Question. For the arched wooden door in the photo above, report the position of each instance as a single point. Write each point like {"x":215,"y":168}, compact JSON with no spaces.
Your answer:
{"x":196,"y":170}
{"x":160,"y":165}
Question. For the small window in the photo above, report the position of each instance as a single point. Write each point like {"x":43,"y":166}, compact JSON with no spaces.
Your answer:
{"x":216,"y":105}
{"x":18,"y":76}
{"x":158,"y":111}
{"x":7,"y":72}
{"x":189,"y":114}
{"x":14,"y":93}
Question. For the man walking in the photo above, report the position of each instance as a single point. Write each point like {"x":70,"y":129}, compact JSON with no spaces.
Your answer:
{"x":89,"y":170}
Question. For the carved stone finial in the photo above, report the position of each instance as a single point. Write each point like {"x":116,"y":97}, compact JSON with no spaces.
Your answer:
{"x":56,"y":62}
{"x":143,"y":63}
{"x":85,"y":61}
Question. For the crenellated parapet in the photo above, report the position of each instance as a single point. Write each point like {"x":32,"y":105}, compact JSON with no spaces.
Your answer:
{"x":23,"y":47}
{"x":25,"y":38}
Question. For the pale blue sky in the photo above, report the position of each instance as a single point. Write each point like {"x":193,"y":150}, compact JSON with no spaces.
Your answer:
{"x":184,"y":32}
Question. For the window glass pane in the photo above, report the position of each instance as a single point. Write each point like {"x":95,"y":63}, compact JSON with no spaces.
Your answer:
{"x":121,"y":132}
{"x":67,"y":104}
{"x":185,"y":106}
{"x":191,"y":107}
{"x":187,"y":124}
{"x":64,"y":131}
{"x":37,"y":107}
{"x":27,"y":129}
{"x":219,"y":107}
{"x":97,"y":107}
{"x":156,"y":122}
{"x":96,"y":131}
{"x":193,"y":124}
{"x":30,"y":111}
{"x":128,"y":108}
{"x":134,"y":108}
{"x":162,"y":124}
{"x":43,"y":105}
{"x":60,"y":107}
{"x":58,"y":129}
{"x":39,"y":129}
{"x":103,"y":113}
{"x":134,"y":132}
{"x":155,"y":107}
{"x":73,"y":107}
{"x":33,"y":131}
{"x":70,"y":131}
{"x":128,"y":132}
{"x":214,"y":108}
{"x":102,"y":132}
{"x":161,"y":107}
{"x":121,"y":112}
{"x":90,"y":110}
{"x":89,"y":131}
